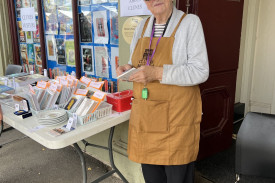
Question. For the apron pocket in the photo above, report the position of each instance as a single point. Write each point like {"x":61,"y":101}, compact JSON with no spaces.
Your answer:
{"x":153,"y":116}
{"x":150,"y":116}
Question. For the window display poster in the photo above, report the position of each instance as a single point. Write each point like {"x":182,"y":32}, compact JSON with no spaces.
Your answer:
{"x":29,"y":37}
{"x":101,"y":34}
{"x":101,"y":61}
{"x":84,"y":2}
{"x":114,"y":27}
{"x":133,"y":8}
{"x":99,"y":1}
{"x":37,"y":53}
{"x":114,"y":60}
{"x":21,"y":32}
{"x":36,"y":37}
{"x":51,"y":46}
{"x":70,"y":55}
{"x":23,"y":53}
{"x":31,"y":54}
{"x":51,"y":21}
{"x":85,"y":19}
{"x":18,"y":3}
{"x":26,"y":3}
{"x":87,"y":61}
{"x":65,"y":18}
{"x":60,"y":49}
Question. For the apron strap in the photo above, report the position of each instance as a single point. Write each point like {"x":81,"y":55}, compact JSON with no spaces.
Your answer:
{"x":145,"y":26}
{"x":174,"y":33}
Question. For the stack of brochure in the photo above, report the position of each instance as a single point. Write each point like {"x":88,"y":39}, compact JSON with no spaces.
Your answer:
{"x":65,"y":94}
{"x":86,"y":107}
{"x":49,"y":99}
{"x":74,"y":102}
{"x":33,"y":101}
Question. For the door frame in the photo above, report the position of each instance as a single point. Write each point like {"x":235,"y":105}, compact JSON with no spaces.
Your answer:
{"x":247,"y":50}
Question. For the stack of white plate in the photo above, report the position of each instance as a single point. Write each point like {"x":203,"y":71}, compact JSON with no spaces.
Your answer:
{"x":52,"y":117}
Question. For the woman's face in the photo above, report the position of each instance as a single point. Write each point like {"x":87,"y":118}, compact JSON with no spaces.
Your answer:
{"x":158,"y":7}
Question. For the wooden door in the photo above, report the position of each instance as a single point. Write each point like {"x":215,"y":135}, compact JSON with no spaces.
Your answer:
{"x":222,"y":22}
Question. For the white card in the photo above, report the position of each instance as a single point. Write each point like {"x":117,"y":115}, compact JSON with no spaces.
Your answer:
{"x":17,"y":107}
{"x":125,"y":76}
{"x":75,"y":120}
{"x":70,"y":123}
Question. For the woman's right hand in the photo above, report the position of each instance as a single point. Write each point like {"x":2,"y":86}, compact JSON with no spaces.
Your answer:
{"x":121,"y":69}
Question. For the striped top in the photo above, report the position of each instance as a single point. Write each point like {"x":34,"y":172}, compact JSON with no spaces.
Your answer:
{"x":159,"y":29}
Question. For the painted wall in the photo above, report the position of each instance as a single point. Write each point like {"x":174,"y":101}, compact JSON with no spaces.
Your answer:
{"x":263,"y":79}
{"x":257,"y":90}
{"x":5,"y":38}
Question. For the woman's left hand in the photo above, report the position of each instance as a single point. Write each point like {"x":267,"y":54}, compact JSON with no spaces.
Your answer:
{"x":147,"y":74}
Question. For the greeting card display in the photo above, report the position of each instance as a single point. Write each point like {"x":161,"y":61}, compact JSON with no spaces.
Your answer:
{"x":85,"y":25}
{"x":87,"y":59}
{"x":60,"y":47}
{"x":101,"y":34}
{"x":101,"y":61}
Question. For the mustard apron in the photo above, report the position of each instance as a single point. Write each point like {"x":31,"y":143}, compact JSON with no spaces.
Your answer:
{"x":165,"y":128}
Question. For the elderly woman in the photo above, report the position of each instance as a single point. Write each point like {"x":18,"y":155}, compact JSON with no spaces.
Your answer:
{"x":169,"y":50}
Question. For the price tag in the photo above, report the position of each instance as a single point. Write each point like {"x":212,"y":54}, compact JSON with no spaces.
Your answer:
{"x":53,"y":87}
{"x":99,"y":95}
{"x":85,"y":80}
{"x":17,"y":107}
{"x":42,"y":84}
{"x":96,"y":85}
{"x":82,"y":92}
{"x":64,"y":82}
{"x":31,"y":72}
{"x":70,"y":123}
{"x":55,"y":107}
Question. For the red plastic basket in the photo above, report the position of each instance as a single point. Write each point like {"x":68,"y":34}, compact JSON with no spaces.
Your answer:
{"x":121,"y":101}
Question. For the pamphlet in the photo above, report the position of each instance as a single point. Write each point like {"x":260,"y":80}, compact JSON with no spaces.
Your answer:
{"x":87,"y":59}
{"x":101,"y":34}
{"x":126,"y":75}
{"x":114,"y":27}
{"x":36,"y":37}
{"x":51,"y":47}
{"x":60,"y":48}
{"x":37,"y":51}
{"x":114,"y":60}
{"x":101,"y":61}
{"x":70,"y":55}
{"x":59,"y":131}
{"x":31,"y":56}
{"x":21,"y":32}
{"x":85,"y":20}
{"x":24,"y":53}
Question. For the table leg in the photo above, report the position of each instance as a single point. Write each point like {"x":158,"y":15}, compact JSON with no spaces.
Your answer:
{"x":1,"y":120}
{"x":111,"y":156}
{"x":83,"y":162}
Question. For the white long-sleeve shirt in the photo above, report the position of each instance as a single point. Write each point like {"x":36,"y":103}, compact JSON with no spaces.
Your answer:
{"x":190,"y":62}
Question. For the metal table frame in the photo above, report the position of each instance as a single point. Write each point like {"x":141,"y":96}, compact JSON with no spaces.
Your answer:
{"x":110,"y":149}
